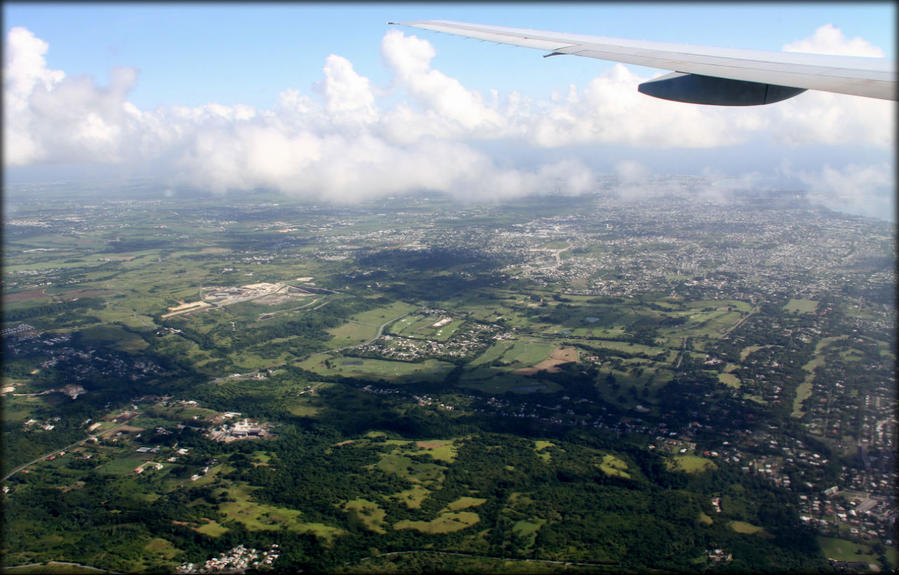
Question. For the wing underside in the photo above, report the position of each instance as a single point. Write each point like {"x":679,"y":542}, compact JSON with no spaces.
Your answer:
{"x":703,"y":74}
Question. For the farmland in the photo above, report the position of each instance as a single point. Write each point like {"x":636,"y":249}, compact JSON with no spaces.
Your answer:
{"x":550,"y":382}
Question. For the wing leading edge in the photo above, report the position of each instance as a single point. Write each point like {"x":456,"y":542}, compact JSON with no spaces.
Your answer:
{"x":703,"y":75}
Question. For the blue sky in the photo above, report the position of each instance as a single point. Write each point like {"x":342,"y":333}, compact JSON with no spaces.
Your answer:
{"x":246,"y":54}
{"x":327,"y":100}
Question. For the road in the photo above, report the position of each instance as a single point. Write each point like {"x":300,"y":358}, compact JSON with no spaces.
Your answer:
{"x":57,"y":450}
{"x":380,"y":332}
{"x":475,"y":555}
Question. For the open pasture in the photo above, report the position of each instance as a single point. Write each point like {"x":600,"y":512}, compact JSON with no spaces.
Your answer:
{"x":613,"y":465}
{"x":559,"y":356}
{"x":845,"y":550}
{"x":393,"y":371}
{"x":524,"y":353}
{"x":240,"y":506}
{"x":541,"y":448}
{"x":801,"y":306}
{"x":730,"y":380}
{"x":446,"y":522}
{"x":364,"y":326}
{"x":465,"y":502}
{"x":746,"y":528}
{"x":368,"y":513}
{"x":689,"y":463}
{"x":427,"y":326}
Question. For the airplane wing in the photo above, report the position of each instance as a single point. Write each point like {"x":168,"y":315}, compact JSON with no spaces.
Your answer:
{"x":701,"y":74}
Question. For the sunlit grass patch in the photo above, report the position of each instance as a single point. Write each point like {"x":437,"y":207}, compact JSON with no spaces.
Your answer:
{"x":396,"y":371}
{"x":256,"y":516}
{"x":465,"y":502}
{"x":729,"y":380}
{"x":161,"y":548}
{"x":444,"y":523}
{"x":527,"y":529}
{"x":423,"y":473}
{"x":746,"y":528}
{"x":123,"y":465}
{"x":540,"y":447}
{"x":690,"y":463}
{"x":801,"y":306}
{"x":303,"y":409}
{"x":368,"y":512}
{"x":803,"y":392}
{"x":412,"y":497}
{"x":492,"y":353}
{"x":441,"y":450}
{"x":845,"y":550}
{"x":614,"y":466}
{"x":211,"y":528}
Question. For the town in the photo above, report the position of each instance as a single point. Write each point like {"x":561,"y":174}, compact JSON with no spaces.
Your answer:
{"x":146,"y":348}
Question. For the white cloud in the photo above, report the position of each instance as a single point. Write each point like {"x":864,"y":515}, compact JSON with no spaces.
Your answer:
{"x":348,"y":144}
{"x":24,"y":70}
{"x":349,"y":96}
{"x":860,"y":189}
{"x":830,"y":40}
{"x":409,"y":58}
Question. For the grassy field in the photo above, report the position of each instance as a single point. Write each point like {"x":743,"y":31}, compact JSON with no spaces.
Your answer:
{"x":368,"y":513}
{"x":527,"y":530}
{"x":804,"y":390}
{"x":123,"y":465}
{"x":492,"y":353}
{"x":540,"y":447}
{"x":447,"y":522}
{"x":801,"y":306}
{"x":691,"y":463}
{"x":256,"y":516}
{"x":395,"y":371}
{"x":412,"y":497}
{"x":441,"y":450}
{"x":845,"y":550}
{"x":746,"y":528}
{"x":750,"y":349}
{"x":729,"y":380}
{"x":363,"y":327}
{"x":614,"y":466}
{"x":211,"y":528}
{"x":465,"y":503}
{"x":422,"y":326}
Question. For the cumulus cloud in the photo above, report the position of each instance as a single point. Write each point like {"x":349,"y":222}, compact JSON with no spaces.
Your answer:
{"x":24,"y":71}
{"x":860,"y":189}
{"x":346,"y":144}
{"x":830,"y":40}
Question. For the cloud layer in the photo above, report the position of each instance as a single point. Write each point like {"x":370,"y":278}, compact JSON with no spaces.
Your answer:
{"x":344,"y":142}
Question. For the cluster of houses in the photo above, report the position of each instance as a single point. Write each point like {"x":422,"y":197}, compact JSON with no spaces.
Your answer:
{"x":238,"y":559}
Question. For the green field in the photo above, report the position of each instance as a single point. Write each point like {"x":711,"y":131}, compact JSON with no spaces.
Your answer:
{"x":394,"y":371}
{"x":368,"y":512}
{"x":801,"y":306}
{"x":614,"y":466}
{"x":654,"y":325}
{"x":364,"y":326}
{"x":689,"y":463}
{"x":242,"y":507}
{"x":745,"y":528}
{"x":846,"y":550}
{"x":447,"y":522}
